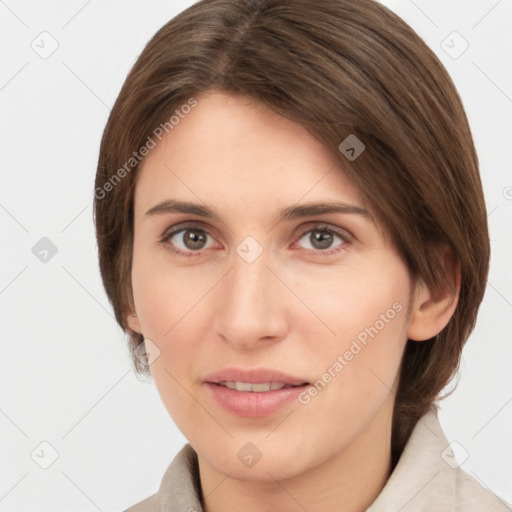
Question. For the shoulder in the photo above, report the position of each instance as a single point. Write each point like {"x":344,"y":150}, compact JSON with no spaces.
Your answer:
{"x":428,"y":477}
{"x":472,"y":496}
{"x":179,"y":488}
{"x":151,"y":504}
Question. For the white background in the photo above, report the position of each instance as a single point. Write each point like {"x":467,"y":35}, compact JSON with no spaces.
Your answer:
{"x":65,"y":373}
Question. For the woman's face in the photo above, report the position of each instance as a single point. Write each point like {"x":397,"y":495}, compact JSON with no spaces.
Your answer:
{"x":250,"y":279}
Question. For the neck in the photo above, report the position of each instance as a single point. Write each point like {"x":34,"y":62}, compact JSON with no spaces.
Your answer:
{"x":349,"y":481}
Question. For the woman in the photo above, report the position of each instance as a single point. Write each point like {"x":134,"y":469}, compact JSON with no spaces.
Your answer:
{"x":292,"y":231}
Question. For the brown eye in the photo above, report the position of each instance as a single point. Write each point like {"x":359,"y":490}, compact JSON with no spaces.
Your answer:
{"x":187,"y":240}
{"x":323,"y":239}
{"x":194,"y":239}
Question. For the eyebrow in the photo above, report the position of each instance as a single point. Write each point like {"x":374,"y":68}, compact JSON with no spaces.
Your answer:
{"x":290,"y":213}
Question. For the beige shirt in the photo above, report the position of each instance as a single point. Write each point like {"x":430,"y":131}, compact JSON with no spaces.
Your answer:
{"x":426,"y":478}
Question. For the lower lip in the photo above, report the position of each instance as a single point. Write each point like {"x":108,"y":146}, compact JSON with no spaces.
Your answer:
{"x":253,"y":404}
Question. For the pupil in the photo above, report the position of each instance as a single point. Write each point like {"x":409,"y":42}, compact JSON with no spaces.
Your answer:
{"x":321,"y":239}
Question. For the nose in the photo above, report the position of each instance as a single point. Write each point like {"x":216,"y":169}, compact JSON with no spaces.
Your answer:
{"x":251,"y":304}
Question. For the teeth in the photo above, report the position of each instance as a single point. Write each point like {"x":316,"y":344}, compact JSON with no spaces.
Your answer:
{"x":243,"y":386}
{"x":257,"y":388}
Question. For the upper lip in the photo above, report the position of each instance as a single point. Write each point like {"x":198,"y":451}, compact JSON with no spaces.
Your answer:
{"x":254,"y":376}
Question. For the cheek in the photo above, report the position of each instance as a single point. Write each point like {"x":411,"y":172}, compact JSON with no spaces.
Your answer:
{"x":365,"y":319}
{"x":170,"y":302}
{"x":170,"y":316}
{"x":163,"y":293}
{"x":358,"y":303}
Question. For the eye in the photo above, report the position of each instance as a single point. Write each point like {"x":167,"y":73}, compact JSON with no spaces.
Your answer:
{"x":191,"y":240}
{"x":321,"y":238}
{"x":187,"y":240}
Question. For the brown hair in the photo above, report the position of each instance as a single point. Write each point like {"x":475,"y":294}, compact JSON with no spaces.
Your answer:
{"x":351,"y":67}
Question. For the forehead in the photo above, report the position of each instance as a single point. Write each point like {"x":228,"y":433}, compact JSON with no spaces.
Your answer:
{"x":236,"y":152}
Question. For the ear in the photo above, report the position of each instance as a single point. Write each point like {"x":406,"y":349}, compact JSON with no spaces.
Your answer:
{"x":132,"y":321}
{"x":432,"y":310}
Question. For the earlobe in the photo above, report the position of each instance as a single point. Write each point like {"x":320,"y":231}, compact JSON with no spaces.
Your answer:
{"x":432,"y":310}
{"x":132,"y":321}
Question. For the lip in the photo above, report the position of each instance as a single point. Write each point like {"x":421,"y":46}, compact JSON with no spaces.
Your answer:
{"x":256,"y":376}
{"x":253,"y":404}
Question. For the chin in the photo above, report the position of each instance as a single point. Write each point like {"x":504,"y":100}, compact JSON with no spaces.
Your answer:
{"x":258,"y":460}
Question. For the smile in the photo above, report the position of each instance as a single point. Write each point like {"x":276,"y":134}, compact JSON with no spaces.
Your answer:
{"x":260,"y":387}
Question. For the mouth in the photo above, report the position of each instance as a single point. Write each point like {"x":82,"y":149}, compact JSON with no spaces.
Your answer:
{"x":257,"y":380}
{"x":254,"y":393}
{"x":257,"y":387}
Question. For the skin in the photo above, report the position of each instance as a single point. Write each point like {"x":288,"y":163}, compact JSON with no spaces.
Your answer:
{"x":295,"y":308}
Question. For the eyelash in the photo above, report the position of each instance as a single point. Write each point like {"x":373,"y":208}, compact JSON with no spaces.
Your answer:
{"x":318,"y":227}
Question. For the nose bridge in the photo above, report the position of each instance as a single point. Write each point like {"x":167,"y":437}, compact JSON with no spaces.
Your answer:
{"x":249,"y":307}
